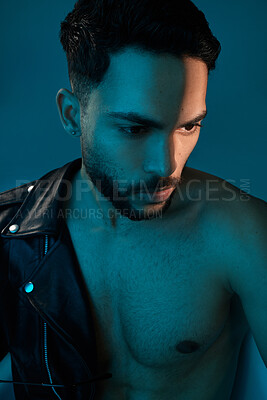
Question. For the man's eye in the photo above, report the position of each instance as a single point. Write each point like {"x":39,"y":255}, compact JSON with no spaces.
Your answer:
{"x":135,"y":130}
{"x":190,"y":128}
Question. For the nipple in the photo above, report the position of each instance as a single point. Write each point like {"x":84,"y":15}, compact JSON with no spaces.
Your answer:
{"x":187,"y":346}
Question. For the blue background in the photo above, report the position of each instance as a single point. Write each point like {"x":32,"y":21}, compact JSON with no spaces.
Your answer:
{"x":232,"y":144}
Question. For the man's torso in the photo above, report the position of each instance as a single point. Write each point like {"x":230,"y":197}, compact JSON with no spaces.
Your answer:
{"x":167,"y":325}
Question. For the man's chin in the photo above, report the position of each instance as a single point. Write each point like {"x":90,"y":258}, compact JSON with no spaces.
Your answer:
{"x":142,"y":215}
{"x":148,"y":212}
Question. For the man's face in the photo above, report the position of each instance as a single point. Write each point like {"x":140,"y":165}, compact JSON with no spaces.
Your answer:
{"x":136,"y":128}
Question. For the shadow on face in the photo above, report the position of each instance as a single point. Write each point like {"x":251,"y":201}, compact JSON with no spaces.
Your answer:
{"x":140,"y":126}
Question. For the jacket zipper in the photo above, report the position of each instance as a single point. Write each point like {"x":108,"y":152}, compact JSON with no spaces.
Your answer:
{"x":45,"y":336}
{"x":45,"y":344}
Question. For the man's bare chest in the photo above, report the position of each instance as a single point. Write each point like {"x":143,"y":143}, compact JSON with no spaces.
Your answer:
{"x":154,"y":299}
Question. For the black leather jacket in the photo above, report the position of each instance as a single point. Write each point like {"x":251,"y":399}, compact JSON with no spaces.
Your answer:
{"x":45,"y":318}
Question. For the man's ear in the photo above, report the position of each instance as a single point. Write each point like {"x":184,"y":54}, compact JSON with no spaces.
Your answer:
{"x":69,"y":111}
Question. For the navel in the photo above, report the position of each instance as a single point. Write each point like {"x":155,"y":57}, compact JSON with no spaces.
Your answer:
{"x":187,"y":346}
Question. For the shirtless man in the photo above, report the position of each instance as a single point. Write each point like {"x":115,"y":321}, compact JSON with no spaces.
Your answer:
{"x":173,"y":258}
{"x":173,"y":295}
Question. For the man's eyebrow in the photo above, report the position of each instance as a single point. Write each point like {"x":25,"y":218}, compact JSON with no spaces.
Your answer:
{"x":146,"y":121}
{"x":196,"y":119}
{"x":137,"y":118}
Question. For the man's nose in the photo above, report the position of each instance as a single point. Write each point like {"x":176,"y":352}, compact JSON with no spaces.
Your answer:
{"x":159,"y":156}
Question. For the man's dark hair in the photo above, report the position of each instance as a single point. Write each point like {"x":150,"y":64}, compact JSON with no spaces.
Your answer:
{"x":95,"y":29}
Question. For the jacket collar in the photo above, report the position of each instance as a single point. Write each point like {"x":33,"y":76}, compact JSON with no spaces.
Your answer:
{"x":40,"y":211}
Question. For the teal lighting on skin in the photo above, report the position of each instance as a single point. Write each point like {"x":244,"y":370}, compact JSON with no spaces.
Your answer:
{"x":151,"y":123}
{"x":137,"y":128}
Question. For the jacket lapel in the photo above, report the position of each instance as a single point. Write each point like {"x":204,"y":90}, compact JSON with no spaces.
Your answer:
{"x":57,"y":290}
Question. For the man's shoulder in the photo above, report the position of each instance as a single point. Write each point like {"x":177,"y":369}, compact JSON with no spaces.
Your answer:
{"x":221,"y":194}
{"x":234,"y":218}
{"x":49,"y":187}
{"x":234,"y":223}
{"x":15,"y":195}
{"x":11,"y":200}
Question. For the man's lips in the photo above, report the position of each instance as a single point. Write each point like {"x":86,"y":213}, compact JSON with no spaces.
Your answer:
{"x":164,"y":189}
{"x":155,"y":197}
{"x":151,"y":191}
